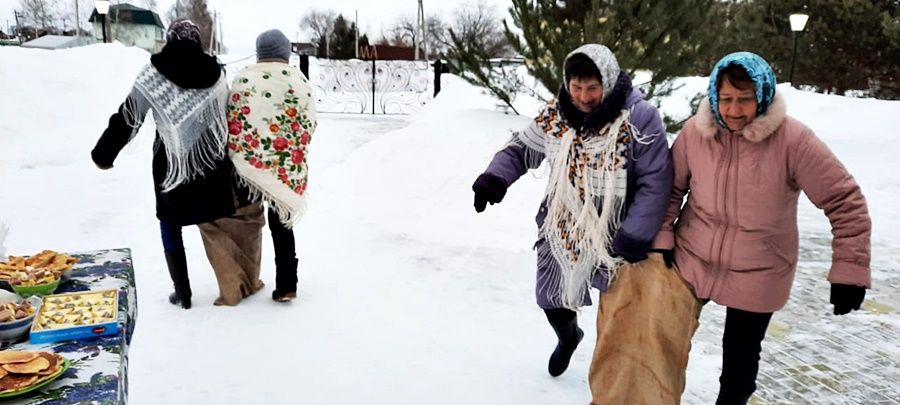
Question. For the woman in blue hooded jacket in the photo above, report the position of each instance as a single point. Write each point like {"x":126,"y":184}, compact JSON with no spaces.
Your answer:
{"x":741,"y":163}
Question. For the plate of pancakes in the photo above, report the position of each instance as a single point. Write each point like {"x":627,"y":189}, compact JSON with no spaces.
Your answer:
{"x":24,"y":372}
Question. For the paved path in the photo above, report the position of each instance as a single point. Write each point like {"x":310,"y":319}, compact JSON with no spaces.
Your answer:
{"x":811,"y":356}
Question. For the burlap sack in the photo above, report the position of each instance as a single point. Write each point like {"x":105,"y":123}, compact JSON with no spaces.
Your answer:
{"x":644,"y":329}
{"x":233,"y":246}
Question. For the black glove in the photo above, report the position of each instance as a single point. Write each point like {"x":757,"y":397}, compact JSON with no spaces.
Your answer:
{"x":630,"y":257}
{"x":668,"y":256}
{"x":488,"y":189}
{"x":846,"y":297}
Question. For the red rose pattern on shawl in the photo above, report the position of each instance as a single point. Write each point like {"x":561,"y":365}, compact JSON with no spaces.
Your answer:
{"x":286,"y":152}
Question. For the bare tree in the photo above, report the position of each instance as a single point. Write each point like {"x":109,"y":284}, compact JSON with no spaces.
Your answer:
{"x":438,"y":36}
{"x":74,"y":14}
{"x":404,"y":30}
{"x":478,"y":25}
{"x":151,"y":5}
{"x":318,"y":24}
{"x":40,"y":13}
{"x":196,"y":11}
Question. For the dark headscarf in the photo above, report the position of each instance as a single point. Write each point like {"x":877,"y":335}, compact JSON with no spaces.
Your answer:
{"x":184,"y":30}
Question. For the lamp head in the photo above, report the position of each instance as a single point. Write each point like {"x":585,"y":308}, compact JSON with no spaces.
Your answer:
{"x":102,"y":6}
{"x":798,"y":22}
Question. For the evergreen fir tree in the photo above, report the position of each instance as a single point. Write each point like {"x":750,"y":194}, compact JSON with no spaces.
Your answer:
{"x":473,"y":63}
{"x":843,"y":45}
{"x":664,"y":37}
{"x":475,"y":39}
{"x":343,"y":39}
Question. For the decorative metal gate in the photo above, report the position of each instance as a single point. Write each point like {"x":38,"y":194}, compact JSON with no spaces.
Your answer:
{"x":364,"y":86}
{"x":372,"y":86}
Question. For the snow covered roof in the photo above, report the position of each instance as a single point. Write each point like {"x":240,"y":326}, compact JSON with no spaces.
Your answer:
{"x":128,"y":13}
{"x":56,"y":42}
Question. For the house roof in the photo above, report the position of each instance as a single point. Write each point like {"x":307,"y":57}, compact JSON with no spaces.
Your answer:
{"x":128,"y":13}
{"x":54,"y":42}
{"x":387,"y":52}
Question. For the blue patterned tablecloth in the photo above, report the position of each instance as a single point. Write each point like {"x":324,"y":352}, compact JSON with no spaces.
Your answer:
{"x":99,"y":366}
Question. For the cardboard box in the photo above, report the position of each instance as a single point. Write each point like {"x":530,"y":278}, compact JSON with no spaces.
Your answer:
{"x":76,"y":316}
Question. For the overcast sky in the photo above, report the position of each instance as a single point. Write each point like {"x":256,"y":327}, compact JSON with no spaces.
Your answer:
{"x":243,"y":19}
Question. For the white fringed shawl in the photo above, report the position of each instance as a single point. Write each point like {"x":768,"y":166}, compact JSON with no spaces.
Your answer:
{"x":190,"y":122}
{"x":585,"y":196}
{"x":271,"y":120}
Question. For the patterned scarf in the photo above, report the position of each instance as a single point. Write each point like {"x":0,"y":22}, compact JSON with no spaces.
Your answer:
{"x":584,"y":196}
{"x":190,"y":122}
{"x":271,"y":120}
{"x":184,"y":30}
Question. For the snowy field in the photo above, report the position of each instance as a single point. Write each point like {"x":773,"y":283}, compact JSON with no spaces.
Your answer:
{"x":407,"y":296}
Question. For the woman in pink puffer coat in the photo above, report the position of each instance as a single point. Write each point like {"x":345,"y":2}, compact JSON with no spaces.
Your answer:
{"x":742,"y":163}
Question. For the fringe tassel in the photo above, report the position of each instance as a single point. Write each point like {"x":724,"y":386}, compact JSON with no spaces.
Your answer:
{"x":532,"y":141}
{"x":196,"y":143}
{"x":288,"y":214}
{"x":134,"y":111}
{"x":590,"y":222}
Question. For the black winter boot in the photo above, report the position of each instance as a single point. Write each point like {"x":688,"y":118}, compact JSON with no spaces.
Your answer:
{"x":565,"y":324}
{"x":725,"y":399}
{"x":177,"y":262}
{"x":285,"y":280}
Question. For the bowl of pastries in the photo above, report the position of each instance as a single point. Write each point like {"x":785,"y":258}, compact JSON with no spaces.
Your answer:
{"x":16,"y":317}
{"x":38,"y":274}
{"x":34,"y":281}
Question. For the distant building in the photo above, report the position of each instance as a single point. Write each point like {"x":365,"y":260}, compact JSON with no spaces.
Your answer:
{"x":26,"y":33}
{"x":57,"y":42}
{"x":131,"y":25}
{"x":304,"y":48}
{"x":8,"y":39}
{"x":387,"y":52}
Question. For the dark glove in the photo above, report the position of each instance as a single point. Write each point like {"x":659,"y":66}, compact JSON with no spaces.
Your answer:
{"x":630,"y":257}
{"x":668,"y":256}
{"x":846,"y":297}
{"x":628,"y":248}
{"x":488,"y":189}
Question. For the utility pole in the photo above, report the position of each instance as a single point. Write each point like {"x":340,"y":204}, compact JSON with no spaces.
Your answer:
{"x":419,"y":38}
{"x":357,"y":33}
{"x":18,"y":27}
{"x":114,"y":24}
{"x":219,"y":35}
{"x":77,"y":20}
{"x":212,"y":35}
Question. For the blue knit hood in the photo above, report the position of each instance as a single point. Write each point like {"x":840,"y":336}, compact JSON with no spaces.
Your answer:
{"x":760,"y":72}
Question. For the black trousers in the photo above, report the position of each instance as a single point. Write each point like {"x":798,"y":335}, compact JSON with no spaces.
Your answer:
{"x":285,"y":251}
{"x":741,"y":345}
{"x":559,"y":317}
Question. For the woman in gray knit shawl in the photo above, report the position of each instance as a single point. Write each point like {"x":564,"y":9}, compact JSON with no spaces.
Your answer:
{"x":192,"y":176}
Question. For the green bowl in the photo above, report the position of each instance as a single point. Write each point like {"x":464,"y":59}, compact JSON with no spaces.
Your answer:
{"x":40,"y":289}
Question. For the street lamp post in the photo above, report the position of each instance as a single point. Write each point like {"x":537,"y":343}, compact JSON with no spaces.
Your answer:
{"x":798,"y":22}
{"x":102,"y":8}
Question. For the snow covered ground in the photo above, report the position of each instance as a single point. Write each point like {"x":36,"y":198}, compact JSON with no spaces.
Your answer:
{"x":406,"y":294}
